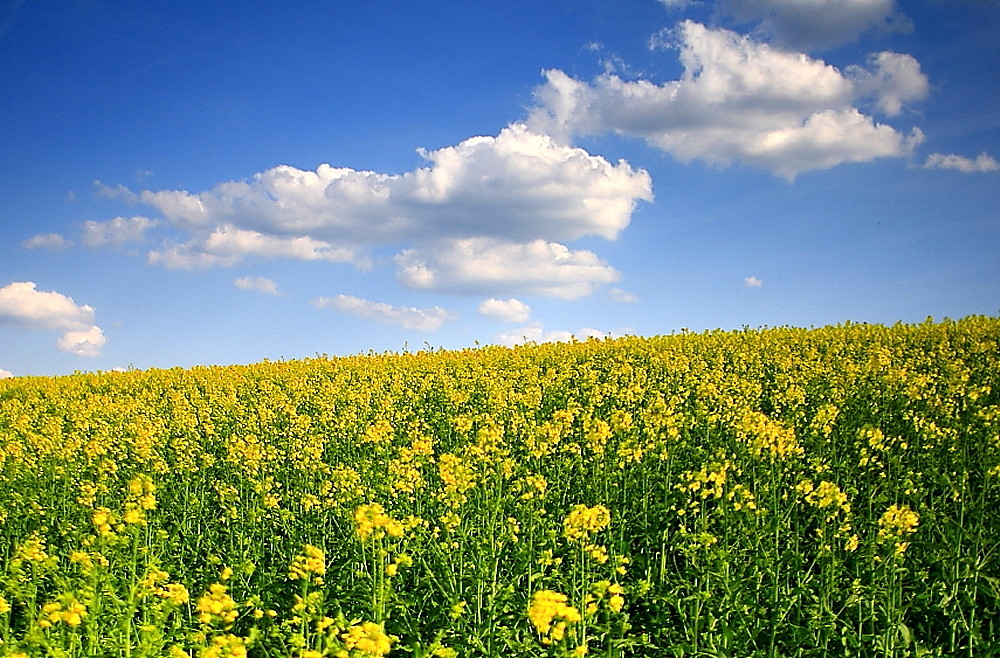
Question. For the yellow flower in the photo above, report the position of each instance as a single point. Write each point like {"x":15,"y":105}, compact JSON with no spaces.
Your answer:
{"x":583,"y":521}
{"x":369,"y":638}
{"x":372,"y":521}
{"x":216,"y":606}
{"x":896,"y":523}
{"x":228,"y":645}
{"x":549,"y":613}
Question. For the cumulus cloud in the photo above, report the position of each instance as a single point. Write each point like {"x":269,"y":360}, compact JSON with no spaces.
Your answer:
{"x":536,"y":333}
{"x":53,"y":241}
{"x":519,"y":185}
{"x":5,"y":374}
{"x":752,"y":282}
{"x":407,"y":317}
{"x":817,"y":24}
{"x":740,"y":100}
{"x":116,"y":232}
{"x":486,"y":265}
{"x":22,"y":305}
{"x":519,"y":192}
{"x":892,"y":80}
{"x":257,"y":283}
{"x":505,"y":310}
{"x":85,"y":342}
{"x":227,"y":245}
{"x":982,"y":163}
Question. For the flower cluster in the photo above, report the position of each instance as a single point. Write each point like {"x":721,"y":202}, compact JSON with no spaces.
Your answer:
{"x":365,"y":640}
{"x":582,"y":522}
{"x":70,"y":613}
{"x":224,"y":646}
{"x":308,"y":565}
{"x":897,"y":523}
{"x":155,"y":583}
{"x":371,"y":521}
{"x":768,"y":437}
{"x":550,"y":614}
{"x":217,"y":606}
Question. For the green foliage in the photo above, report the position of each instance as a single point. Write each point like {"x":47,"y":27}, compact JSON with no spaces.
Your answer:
{"x":781,"y":492}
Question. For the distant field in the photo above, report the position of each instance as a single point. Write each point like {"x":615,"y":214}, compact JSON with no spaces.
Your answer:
{"x":775,"y":492}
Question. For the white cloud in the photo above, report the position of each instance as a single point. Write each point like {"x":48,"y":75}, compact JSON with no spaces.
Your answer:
{"x":22,"y":305}
{"x":257,"y":283}
{"x":117,"y":231}
{"x":408,"y":317}
{"x":85,"y":342}
{"x":52,"y":241}
{"x":622,"y":296}
{"x":752,"y":282}
{"x":519,"y":185}
{"x":5,"y":374}
{"x":983,"y":163}
{"x":228,"y":245}
{"x":489,"y":266}
{"x":893,"y":79}
{"x":536,"y":333}
{"x":817,"y":24}
{"x":518,"y":189}
{"x":740,"y":100}
{"x":678,"y":4}
{"x":505,"y":310}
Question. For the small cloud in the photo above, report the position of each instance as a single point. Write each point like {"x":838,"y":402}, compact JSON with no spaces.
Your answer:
{"x":86,"y":342}
{"x":257,"y":283}
{"x":117,"y":231}
{"x":52,"y":241}
{"x":5,"y":374}
{"x":678,"y":4}
{"x":622,"y":296}
{"x":22,"y":305}
{"x":536,"y":333}
{"x":505,"y":310}
{"x":983,"y":163}
{"x":752,"y":282}
{"x":228,"y":245}
{"x":407,"y":317}
{"x":484,"y":265}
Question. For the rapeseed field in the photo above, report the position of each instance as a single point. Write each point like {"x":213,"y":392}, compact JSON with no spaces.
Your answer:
{"x":771,"y":492}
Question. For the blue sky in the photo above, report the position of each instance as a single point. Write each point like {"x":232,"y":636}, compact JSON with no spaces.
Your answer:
{"x":194,"y":183}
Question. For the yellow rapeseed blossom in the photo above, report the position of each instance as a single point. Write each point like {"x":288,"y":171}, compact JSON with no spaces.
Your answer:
{"x":224,"y":646}
{"x":71,"y":613}
{"x":767,"y":437}
{"x":458,"y":478}
{"x":583,"y":521}
{"x":310,"y":561}
{"x":368,"y":639}
{"x":216,"y":606}
{"x":103,"y":520}
{"x":371,"y":521}
{"x":31,"y":550}
{"x":828,"y":494}
{"x":550,"y":614}
{"x":896,"y":523}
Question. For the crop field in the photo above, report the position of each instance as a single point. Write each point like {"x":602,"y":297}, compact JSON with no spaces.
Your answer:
{"x":771,"y":492}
